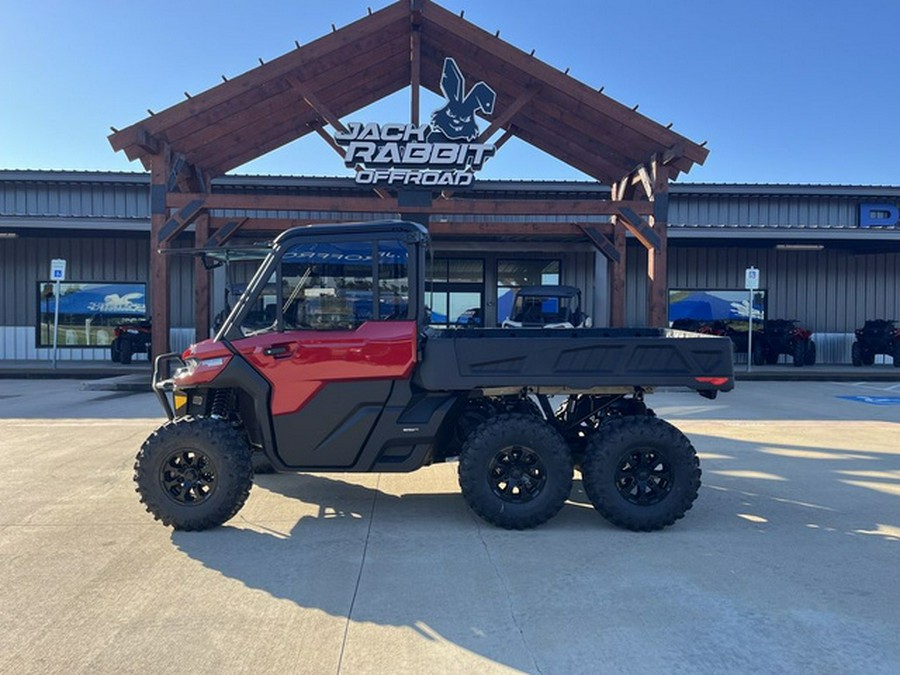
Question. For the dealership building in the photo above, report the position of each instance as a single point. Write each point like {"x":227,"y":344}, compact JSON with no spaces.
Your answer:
{"x":636,"y":238}
{"x":828,"y":256}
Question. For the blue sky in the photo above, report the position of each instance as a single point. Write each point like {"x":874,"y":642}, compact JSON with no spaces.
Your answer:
{"x":790,"y":91}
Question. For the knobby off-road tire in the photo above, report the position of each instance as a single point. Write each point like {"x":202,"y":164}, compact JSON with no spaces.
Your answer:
{"x":194,"y":473}
{"x":515,"y":471}
{"x":125,"y":352}
{"x":799,"y":354}
{"x":856,"y":354}
{"x":809,"y":358}
{"x":641,"y":473}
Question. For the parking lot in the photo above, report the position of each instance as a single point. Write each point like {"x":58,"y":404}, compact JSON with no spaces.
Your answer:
{"x":787,"y":563}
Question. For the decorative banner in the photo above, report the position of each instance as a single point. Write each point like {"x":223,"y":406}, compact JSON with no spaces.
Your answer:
{"x":444,"y":152}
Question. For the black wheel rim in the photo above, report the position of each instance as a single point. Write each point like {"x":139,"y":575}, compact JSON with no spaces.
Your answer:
{"x":644,"y":477}
{"x":188,"y":477}
{"x":517,"y":474}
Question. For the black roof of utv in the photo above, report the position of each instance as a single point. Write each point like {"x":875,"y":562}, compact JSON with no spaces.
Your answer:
{"x":406,"y":230}
{"x":549,"y":291}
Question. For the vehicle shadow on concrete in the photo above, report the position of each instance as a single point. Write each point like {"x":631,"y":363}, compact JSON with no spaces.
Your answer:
{"x":425,"y":563}
{"x":420,"y":561}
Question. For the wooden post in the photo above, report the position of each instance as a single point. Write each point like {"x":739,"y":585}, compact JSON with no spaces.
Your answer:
{"x":657,"y":268}
{"x":617,"y":270}
{"x":415,"y":58}
{"x":201,"y":280}
{"x":159,"y":263}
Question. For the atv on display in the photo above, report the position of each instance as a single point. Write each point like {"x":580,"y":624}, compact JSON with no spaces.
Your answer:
{"x":130,"y":338}
{"x":326,"y":363}
{"x":877,"y":336}
{"x":785,"y":336}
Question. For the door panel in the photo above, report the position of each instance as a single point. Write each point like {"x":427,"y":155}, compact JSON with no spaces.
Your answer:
{"x":303,"y":365}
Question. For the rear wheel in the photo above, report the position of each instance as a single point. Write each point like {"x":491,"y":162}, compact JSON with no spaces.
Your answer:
{"x":194,"y":473}
{"x":114,"y":352}
{"x":809,"y":359}
{"x":641,"y":473}
{"x":897,"y":355}
{"x":515,"y":471}
{"x":799,"y":353}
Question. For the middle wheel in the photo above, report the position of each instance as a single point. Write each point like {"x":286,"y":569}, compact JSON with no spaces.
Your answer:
{"x":515,"y":471}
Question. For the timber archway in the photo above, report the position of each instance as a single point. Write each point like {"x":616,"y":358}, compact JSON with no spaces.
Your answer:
{"x":313,"y":88}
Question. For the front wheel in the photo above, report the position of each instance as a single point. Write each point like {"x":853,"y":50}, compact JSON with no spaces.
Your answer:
{"x":125,"y":351}
{"x":856,"y":354}
{"x":194,"y":473}
{"x":515,"y":471}
{"x":641,"y":473}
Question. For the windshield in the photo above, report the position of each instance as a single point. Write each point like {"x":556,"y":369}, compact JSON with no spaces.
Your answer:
{"x":542,"y":309}
{"x":332,"y":286}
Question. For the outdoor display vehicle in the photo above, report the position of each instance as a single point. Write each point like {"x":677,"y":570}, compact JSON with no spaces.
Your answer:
{"x":326,"y":363}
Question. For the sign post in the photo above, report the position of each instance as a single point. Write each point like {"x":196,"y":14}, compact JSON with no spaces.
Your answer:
{"x":57,"y":274}
{"x":751,"y":283}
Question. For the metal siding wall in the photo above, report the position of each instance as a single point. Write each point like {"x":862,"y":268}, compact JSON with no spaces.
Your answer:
{"x":832,"y":292}
{"x":75,"y":199}
{"x":763,"y":211}
{"x":26,"y":260}
{"x":636,"y":288}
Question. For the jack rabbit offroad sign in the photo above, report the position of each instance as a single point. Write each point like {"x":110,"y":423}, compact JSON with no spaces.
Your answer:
{"x":443,"y":152}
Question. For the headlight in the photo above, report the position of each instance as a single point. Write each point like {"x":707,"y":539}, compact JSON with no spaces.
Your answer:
{"x":198,"y":371}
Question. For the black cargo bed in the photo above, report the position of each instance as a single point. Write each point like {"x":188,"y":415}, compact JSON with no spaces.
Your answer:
{"x":576,"y":359}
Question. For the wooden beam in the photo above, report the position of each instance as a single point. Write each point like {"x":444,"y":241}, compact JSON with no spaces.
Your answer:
{"x":313,"y":101}
{"x":602,"y":243}
{"x":644,"y":176}
{"x":509,"y":133}
{"x":177,"y":223}
{"x":617,"y":285}
{"x":264,"y":202}
{"x":201,"y":281}
{"x":320,"y":50}
{"x":146,"y":142}
{"x":631,"y":122}
{"x":508,"y":113}
{"x":159,"y":264}
{"x":640,"y":228}
{"x":507,"y":228}
{"x":415,"y":62}
{"x":223,"y":231}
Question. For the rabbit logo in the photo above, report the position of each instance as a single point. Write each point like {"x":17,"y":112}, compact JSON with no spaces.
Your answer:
{"x":456,"y":120}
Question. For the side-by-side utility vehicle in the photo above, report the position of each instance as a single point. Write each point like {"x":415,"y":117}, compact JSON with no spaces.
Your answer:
{"x":326,"y":363}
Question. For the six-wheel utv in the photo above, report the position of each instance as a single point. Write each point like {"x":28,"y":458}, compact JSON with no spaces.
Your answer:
{"x":326,"y":363}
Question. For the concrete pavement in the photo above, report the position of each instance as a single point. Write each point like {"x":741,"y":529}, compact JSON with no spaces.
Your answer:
{"x":787,"y":563}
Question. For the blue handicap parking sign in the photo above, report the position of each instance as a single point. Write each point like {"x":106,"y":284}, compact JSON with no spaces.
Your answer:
{"x":874,"y":400}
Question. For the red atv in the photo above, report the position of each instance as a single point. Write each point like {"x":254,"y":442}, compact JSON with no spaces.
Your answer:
{"x":326,"y":363}
{"x":130,"y":338}
{"x":877,"y":336}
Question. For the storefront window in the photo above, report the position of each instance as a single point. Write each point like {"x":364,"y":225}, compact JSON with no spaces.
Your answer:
{"x":454,"y":291}
{"x":514,"y":274}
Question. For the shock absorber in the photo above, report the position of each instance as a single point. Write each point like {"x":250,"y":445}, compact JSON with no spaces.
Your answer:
{"x":221,"y":403}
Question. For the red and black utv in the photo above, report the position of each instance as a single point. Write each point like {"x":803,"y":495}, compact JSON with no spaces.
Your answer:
{"x":326,"y":363}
